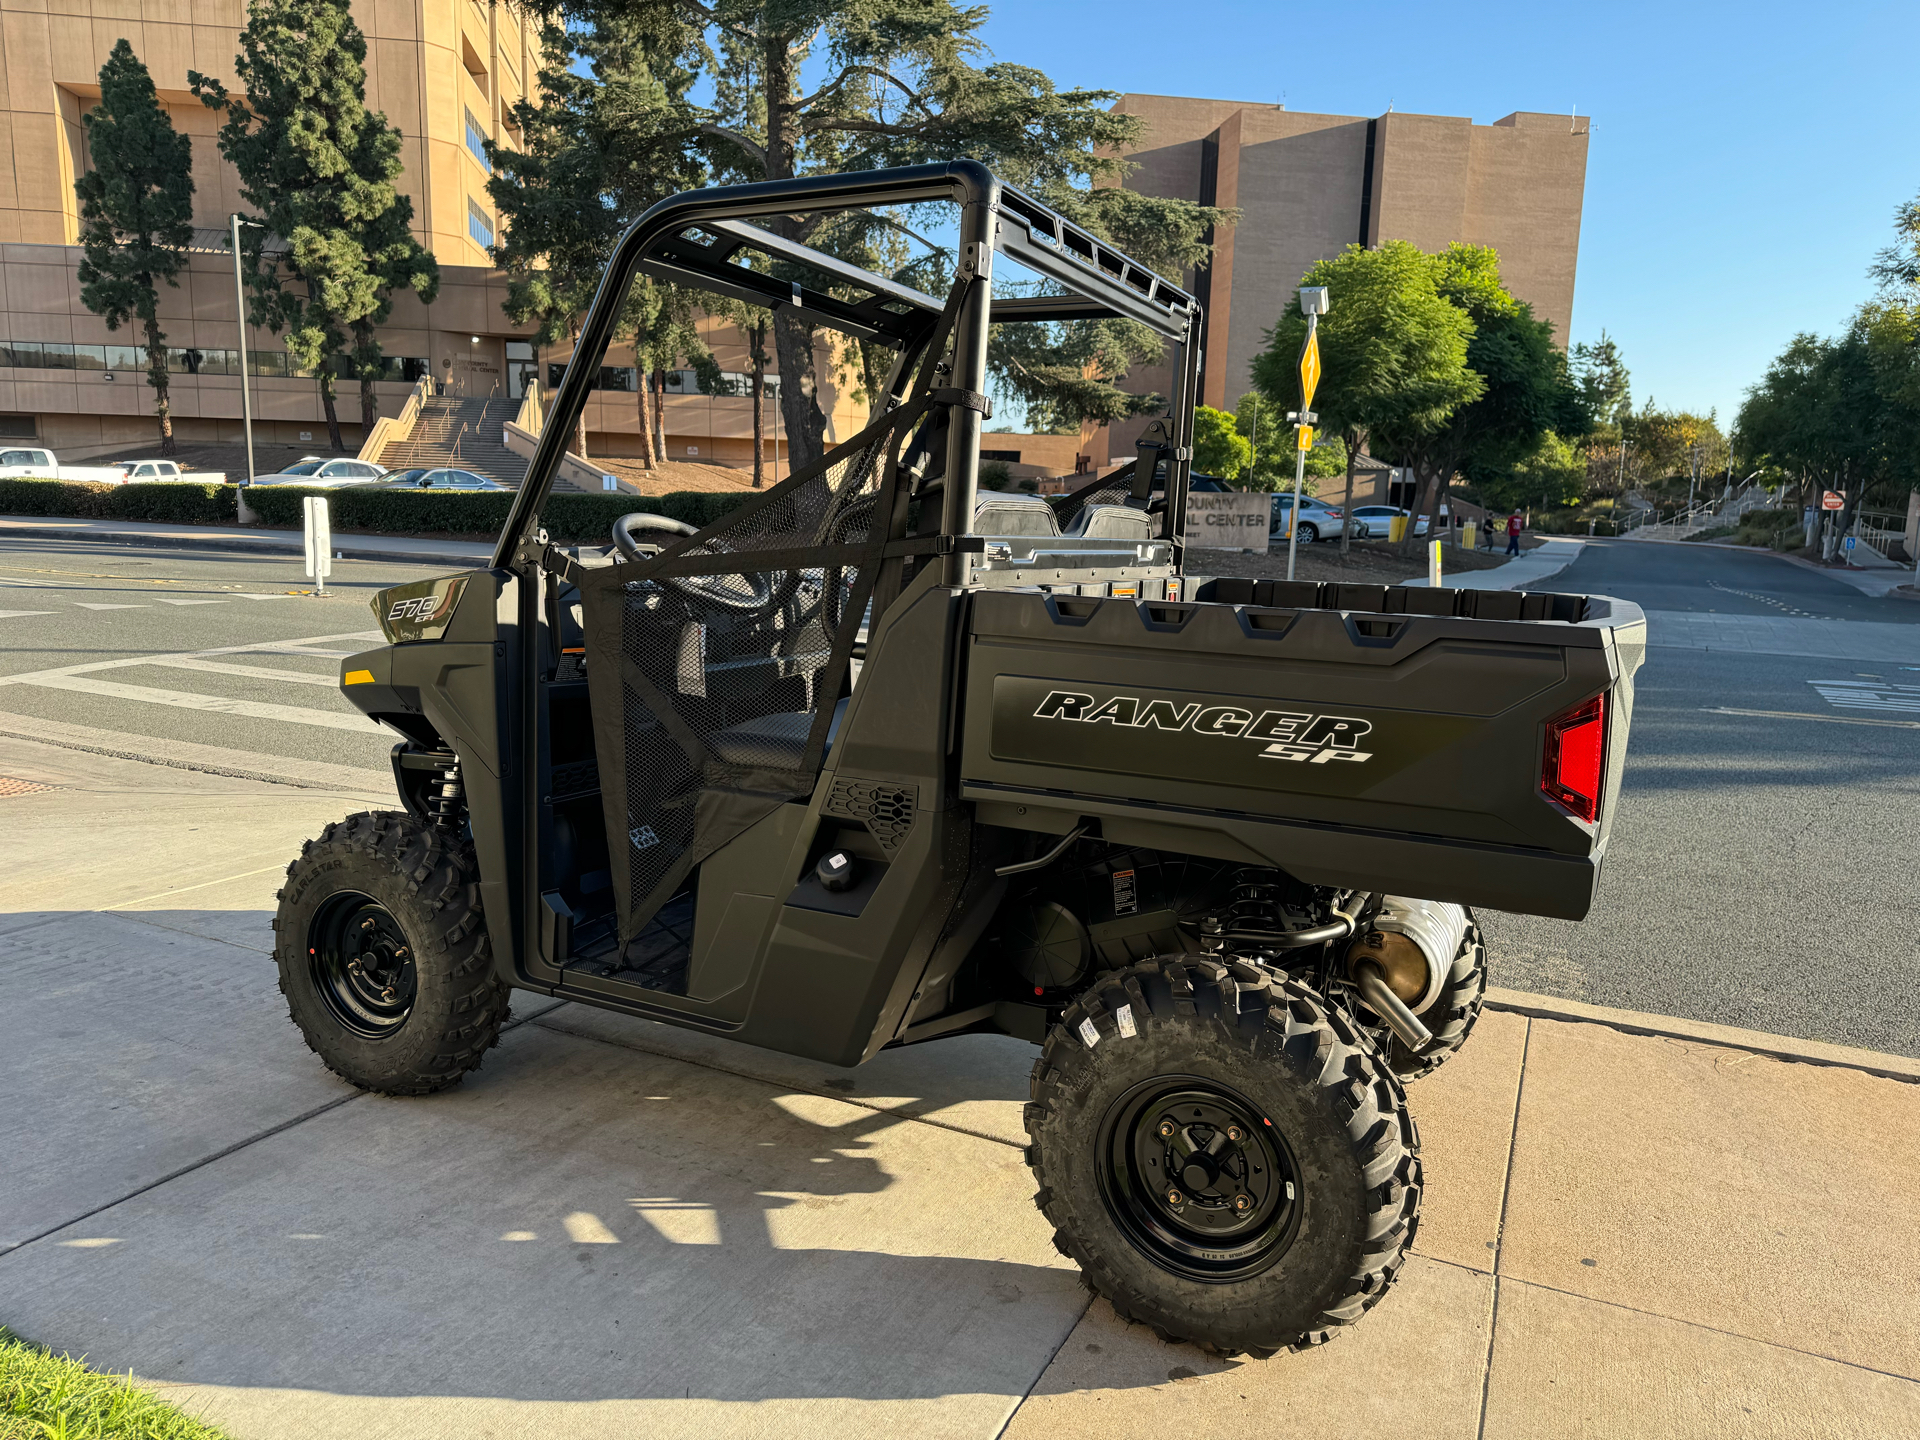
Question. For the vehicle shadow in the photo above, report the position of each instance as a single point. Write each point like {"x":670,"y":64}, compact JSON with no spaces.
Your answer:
{"x":577,"y":1221}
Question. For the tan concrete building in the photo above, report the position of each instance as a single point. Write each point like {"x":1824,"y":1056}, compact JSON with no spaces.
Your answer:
{"x":1308,"y":186}
{"x":447,"y":74}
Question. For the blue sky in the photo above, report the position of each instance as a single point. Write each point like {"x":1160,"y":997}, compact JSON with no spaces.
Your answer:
{"x":1745,"y":159}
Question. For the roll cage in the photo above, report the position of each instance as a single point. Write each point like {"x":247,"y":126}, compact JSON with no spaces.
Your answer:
{"x":699,"y":239}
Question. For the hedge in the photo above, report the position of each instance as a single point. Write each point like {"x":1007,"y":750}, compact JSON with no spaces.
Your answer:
{"x":567,"y":516}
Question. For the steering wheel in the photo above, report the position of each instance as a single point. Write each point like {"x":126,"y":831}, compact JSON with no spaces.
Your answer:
{"x":625,"y":527}
{"x":748,"y":590}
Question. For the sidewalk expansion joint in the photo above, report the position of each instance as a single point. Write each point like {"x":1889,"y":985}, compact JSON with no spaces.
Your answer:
{"x":790,"y":1085}
{"x":1545,"y":1010}
{"x":1500,"y":1226}
{"x":1066,"y":1336}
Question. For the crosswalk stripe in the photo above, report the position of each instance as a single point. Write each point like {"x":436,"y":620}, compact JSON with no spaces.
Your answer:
{"x":16,"y":614}
{"x":185,"y":700}
{"x":97,"y":605}
{"x":251,"y":672}
{"x":186,"y":600}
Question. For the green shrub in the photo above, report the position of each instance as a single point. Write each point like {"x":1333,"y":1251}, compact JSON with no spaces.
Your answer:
{"x":568,"y":516}
{"x":1777,"y":529}
{"x":1719,"y":532}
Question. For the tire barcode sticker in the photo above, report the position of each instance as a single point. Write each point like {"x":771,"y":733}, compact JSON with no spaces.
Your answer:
{"x":1124,"y":1018}
{"x":1088,"y":1034}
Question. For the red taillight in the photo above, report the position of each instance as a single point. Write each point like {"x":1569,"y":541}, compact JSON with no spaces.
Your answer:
{"x":1572,"y":761}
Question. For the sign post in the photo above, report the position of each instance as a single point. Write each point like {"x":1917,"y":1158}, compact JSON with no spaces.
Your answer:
{"x":1313,"y":306}
{"x":319,"y":540}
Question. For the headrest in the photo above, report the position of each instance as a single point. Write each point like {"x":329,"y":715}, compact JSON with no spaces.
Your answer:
{"x":1114,"y":522}
{"x":1014,"y":515}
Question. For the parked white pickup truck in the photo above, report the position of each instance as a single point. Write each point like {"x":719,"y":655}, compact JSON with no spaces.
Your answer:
{"x":43,"y":464}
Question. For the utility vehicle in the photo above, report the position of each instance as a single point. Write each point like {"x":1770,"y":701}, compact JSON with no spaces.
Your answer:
{"x":878,"y":759}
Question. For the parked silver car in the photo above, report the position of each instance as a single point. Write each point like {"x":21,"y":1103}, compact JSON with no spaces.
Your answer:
{"x":1380,"y":517}
{"x":1319,"y":520}
{"x":319,"y":473}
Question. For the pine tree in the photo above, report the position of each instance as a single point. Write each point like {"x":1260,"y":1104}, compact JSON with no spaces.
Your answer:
{"x":319,"y":168}
{"x":136,"y":213}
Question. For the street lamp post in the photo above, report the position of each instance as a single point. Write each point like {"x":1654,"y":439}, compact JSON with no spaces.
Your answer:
{"x":240,"y":315}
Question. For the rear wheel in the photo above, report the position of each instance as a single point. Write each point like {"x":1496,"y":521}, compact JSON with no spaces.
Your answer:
{"x":383,"y":954}
{"x":1309,"y":533}
{"x":1229,"y":1161}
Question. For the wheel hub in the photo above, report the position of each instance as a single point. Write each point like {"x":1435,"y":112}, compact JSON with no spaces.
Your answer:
{"x":362,"y":965}
{"x":1198,"y":1179}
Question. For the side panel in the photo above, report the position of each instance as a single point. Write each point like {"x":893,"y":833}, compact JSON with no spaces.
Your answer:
{"x":835,"y":986}
{"x":1346,"y":749}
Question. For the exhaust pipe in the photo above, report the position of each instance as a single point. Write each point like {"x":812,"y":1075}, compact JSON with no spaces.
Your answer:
{"x":1381,"y":1000}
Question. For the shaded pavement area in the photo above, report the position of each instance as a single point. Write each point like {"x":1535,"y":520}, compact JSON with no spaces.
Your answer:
{"x":618,"y":1229}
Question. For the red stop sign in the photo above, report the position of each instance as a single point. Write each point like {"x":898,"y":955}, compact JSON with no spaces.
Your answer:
{"x":1834,"y":500}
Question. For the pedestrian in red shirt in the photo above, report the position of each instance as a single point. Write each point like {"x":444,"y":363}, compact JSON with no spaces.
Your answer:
{"x":1514,"y":533}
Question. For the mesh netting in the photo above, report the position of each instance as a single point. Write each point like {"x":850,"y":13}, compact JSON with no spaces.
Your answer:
{"x":727,"y":659}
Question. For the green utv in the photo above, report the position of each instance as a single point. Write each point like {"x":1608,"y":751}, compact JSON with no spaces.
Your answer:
{"x":879,"y":758}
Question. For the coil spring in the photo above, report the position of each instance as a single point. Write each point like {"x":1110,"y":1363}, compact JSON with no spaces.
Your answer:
{"x":1255,"y":903}
{"x":444,"y":802}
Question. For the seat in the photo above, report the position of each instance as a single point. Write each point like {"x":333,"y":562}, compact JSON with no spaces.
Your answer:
{"x":1113,"y":522}
{"x":996,"y":514}
{"x":777,"y":741}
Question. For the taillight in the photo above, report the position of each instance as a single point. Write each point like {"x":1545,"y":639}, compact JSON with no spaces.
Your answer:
{"x":1572,"y":760}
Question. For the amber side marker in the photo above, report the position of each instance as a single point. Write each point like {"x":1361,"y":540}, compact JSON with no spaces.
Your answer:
{"x":358,"y":677}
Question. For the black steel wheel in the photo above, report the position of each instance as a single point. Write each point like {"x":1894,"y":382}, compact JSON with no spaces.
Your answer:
{"x":362,"y":966}
{"x":1228,"y":1159}
{"x":384,"y":956}
{"x":1199,"y":1179}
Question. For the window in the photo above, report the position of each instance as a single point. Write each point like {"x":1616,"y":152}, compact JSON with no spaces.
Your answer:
{"x":615,"y":377}
{"x":126,"y":357}
{"x":479,"y":227}
{"x":477,"y":142}
{"x":272,"y":363}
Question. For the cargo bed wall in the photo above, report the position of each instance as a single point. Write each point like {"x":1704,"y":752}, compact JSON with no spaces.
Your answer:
{"x":1397,"y":752}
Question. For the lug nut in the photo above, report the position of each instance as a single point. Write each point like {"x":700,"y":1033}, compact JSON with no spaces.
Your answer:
{"x":1167,"y":1130}
{"x":1241,"y":1203}
{"x":367,"y":924}
{"x":1233,"y":1133}
{"x":1174,"y":1197}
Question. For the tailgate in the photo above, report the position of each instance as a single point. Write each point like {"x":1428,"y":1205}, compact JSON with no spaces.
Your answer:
{"x":1352,"y":747}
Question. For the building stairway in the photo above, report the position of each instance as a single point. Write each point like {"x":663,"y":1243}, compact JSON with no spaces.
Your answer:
{"x":464,"y":434}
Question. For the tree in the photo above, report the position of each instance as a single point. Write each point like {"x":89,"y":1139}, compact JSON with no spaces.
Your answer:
{"x":1602,"y":378}
{"x":901,"y":87}
{"x":1522,"y":386}
{"x":136,"y":213}
{"x":1271,"y":439}
{"x":1393,"y":350}
{"x":1219,"y":447}
{"x":664,"y":331}
{"x":319,"y":168}
{"x":1553,"y":473}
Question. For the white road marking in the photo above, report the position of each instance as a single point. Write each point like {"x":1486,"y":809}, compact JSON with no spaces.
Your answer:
{"x":247,"y":595}
{"x":1870,"y":695}
{"x":185,"y":700}
{"x":1838,"y":720}
{"x":285,"y":647}
{"x":183,"y":600}
{"x":97,"y":605}
{"x":251,"y":672}
{"x":16,"y":614}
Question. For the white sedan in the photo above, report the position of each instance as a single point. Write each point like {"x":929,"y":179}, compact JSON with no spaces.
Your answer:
{"x":1379,"y":517}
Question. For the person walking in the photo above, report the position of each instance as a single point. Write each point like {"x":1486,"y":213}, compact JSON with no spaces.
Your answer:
{"x":1514,"y":533}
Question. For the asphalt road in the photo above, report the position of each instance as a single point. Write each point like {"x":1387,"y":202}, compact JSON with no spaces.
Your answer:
{"x":1762,"y":867}
{"x":1762,"y":871}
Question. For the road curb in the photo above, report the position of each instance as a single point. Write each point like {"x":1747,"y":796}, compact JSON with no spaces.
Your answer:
{"x":1679,"y":1028}
{"x":289,"y":542}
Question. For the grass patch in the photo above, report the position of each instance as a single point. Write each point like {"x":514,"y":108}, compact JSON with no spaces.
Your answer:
{"x":44,"y":1395}
{"x":1719,"y":532}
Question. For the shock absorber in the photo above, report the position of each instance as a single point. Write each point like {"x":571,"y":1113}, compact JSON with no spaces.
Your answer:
{"x":443,"y":803}
{"x":1256,"y":903}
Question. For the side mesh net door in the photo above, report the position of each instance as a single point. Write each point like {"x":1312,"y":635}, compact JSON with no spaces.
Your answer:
{"x":718,"y":669}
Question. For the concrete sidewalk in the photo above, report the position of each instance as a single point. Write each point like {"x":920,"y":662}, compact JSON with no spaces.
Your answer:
{"x":1525,"y":572}
{"x":1624,"y":1234}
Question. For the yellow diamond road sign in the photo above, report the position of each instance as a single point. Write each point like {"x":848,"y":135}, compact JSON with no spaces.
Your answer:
{"x":1310,"y":370}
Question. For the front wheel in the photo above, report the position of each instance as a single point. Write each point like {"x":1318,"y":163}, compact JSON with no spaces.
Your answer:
{"x":1228,"y":1159}
{"x":1309,"y":534}
{"x":384,"y":956}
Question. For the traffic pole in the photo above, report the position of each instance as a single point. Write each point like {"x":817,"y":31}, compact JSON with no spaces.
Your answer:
{"x":1313,"y":306}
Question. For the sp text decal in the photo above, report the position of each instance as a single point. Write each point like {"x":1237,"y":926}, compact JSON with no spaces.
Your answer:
{"x":1284,"y":735}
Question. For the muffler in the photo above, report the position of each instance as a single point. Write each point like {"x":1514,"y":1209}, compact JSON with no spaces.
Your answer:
{"x":1401,"y":962}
